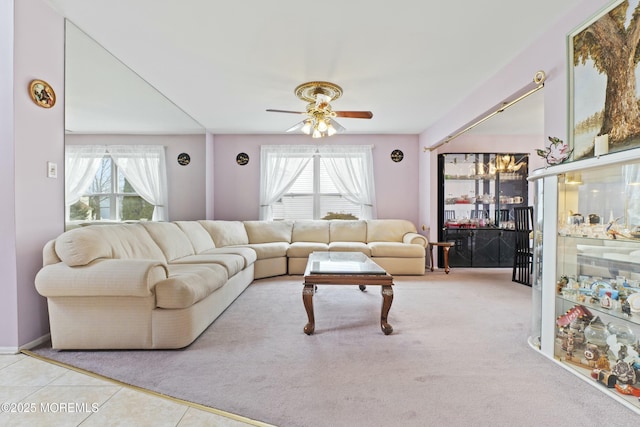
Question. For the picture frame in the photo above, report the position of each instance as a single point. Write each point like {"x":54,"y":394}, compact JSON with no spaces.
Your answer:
{"x":601,"y":83}
{"x":42,"y":94}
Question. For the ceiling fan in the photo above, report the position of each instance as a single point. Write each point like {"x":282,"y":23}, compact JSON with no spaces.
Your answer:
{"x":320,"y":116}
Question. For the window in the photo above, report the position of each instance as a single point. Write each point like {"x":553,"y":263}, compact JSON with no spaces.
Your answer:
{"x":116,"y":183}
{"x":316,"y":182}
{"x":313,"y":195}
{"x":110,"y":197}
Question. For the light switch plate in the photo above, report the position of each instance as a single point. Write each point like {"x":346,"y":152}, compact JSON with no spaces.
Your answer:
{"x":52,"y":170}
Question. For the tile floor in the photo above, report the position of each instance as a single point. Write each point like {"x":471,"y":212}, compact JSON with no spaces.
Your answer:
{"x":34,"y":392}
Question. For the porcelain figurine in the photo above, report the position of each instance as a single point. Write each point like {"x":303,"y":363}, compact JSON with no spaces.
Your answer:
{"x":603,"y":363}
{"x":625,"y":372}
{"x":591,"y":354}
{"x":555,"y":152}
{"x":606,"y":301}
{"x":626,"y":308}
{"x":628,"y":390}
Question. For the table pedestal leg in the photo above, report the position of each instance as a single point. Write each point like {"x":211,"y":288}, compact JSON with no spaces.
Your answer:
{"x":387,"y":299}
{"x":445,"y":252}
{"x":307,"y":299}
{"x":431,"y":255}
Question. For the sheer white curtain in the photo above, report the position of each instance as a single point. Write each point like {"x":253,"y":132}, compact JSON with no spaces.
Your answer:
{"x":145,"y":168}
{"x":81,"y":163}
{"x":280,"y":165}
{"x":351,"y":170}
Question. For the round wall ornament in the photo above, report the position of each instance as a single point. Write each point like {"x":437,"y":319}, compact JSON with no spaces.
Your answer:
{"x":397,"y":155}
{"x":242,"y":159}
{"x":184,"y":159}
{"x":42,"y":93}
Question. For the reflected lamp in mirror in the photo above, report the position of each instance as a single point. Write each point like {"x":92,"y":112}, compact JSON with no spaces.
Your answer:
{"x":507,"y":163}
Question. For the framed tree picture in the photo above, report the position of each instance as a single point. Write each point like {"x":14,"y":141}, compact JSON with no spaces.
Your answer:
{"x":604,"y":105}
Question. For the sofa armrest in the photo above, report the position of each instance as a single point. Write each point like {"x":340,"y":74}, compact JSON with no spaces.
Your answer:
{"x":416,"y":239}
{"x":105,"y":277}
{"x":49,"y":255}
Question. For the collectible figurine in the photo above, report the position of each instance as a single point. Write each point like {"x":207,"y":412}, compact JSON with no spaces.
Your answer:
{"x":561,"y":284}
{"x":622,"y":353}
{"x":613,"y":230}
{"x":592,"y":354}
{"x":625,"y":372}
{"x":606,"y":301}
{"x":626,"y":308}
{"x":603,"y":363}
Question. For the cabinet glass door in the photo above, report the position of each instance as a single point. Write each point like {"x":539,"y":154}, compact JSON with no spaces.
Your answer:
{"x":476,"y":197}
{"x":598,"y":273}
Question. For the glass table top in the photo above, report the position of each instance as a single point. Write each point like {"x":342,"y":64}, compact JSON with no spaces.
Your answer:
{"x":342,"y":263}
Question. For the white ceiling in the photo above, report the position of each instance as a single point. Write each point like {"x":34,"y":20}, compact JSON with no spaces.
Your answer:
{"x":224,"y":63}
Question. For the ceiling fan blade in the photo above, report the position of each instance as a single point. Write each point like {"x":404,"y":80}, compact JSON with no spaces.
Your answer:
{"x":296,"y":127}
{"x":337,"y":126}
{"x":286,"y":111}
{"x":354,"y":114}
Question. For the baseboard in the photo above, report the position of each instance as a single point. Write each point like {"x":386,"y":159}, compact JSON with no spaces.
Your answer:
{"x":9,"y":350}
{"x":34,"y":343}
{"x":27,"y":346}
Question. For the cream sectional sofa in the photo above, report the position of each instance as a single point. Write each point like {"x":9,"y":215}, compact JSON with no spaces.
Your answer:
{"x":155,"y":285}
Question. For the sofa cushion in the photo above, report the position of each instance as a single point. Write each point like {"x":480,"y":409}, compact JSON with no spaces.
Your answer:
{"x":396,"y":250}
{"x":170,"y":238}
{"x":186,"y":285}
{"x":268,"y":231}
{"x":388,"y":230}
{"x":310,"y":231}
{"x":199,"y":237}
{"x":348,"y":231}
{"x":226,"y":233}
{"x":83,"y":245}
{"x":247,"y":253}
{"x":232,"y":262}
{"x":270,"y":250}
{"x":350,"y":247}
{"x":303,"y":249}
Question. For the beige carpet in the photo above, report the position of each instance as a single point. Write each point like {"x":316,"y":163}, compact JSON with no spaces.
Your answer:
{"x":458,"y":356}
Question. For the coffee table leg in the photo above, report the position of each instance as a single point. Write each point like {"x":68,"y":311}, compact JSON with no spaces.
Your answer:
{"x":307,"y":299}
{"x":387,"y":299}
{"x":445,"y":250}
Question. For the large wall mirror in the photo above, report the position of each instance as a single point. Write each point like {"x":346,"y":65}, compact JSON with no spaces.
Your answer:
{"x":103,"y":95}
{"x":108,"y":104}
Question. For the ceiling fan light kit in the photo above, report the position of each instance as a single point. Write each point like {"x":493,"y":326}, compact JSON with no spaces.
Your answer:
{"x":320,"y":120}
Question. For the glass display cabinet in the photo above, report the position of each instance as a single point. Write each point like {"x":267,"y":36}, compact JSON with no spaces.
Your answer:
{"x":476,"y":197}
{"x":586,"y":286}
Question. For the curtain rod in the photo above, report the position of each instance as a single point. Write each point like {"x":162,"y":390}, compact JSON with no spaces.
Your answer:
{"x":538,"y":80}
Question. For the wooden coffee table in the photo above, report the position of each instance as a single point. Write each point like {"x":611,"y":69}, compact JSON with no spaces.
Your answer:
{"x":345,"y":268}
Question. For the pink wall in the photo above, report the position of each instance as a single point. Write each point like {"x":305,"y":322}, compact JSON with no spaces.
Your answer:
{"x":8,"y":273}
{"x":32,"y":203}
{"x":237,"y":188}
{"x":186,"y":184}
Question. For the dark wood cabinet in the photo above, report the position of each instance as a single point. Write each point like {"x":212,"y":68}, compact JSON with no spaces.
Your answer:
{"x":480,"y":247}
{"x":477,"y":193}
